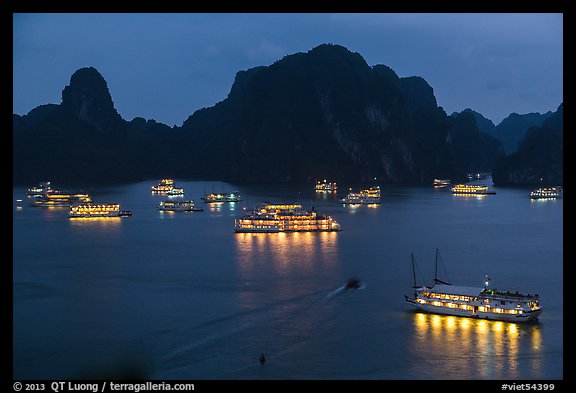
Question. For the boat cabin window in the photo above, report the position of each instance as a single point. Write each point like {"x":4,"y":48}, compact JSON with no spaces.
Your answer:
{"x":502,"y":302}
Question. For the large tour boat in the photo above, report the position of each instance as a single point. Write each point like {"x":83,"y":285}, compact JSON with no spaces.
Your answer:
{"x":164,"y":186}
{"x":478,"y":176}
{"x":40,"y":190}
{"x":175,"y":191}
{"x":441,"y":183}
{"x":99,"y":210}
{"x":325,"y":186}
{"x":221,"y":197}
{"x":471,"y":189}
{"x":60,"y":199}
{"x":46,"y":196}
{"x":179,"y":206}
{"x":364,"y":197}
{"x":284,"y":218}
{"x":547,"y":193}
{"x":474,"y":302}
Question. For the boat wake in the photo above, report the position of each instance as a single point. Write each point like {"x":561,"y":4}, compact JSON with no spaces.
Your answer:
{"x":208,"y":341}
{"x":344,"y":289}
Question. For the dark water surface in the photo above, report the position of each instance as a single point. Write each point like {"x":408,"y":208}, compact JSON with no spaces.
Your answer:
{"x":181,"y":296}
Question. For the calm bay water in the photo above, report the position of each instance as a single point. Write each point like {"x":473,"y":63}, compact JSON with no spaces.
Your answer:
{"x":181,"y":296}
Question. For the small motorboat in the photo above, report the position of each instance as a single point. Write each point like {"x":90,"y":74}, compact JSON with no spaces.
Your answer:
{"x":353,"y":283}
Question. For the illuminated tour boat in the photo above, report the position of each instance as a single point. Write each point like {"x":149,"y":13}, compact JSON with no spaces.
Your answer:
{"x":179,"y":206}
{"x":364,"y":197}
{"x":441,"y":182}
{"x":46,"y":196}
{"x":164,"y":186}
{"x":547,"y":192}
{"x":478,"y":176}
{"x":99,"y":210}
{"x":60,"y":199}
{"x":221,"y":197}
{"x":325,"y":186}
{"x":40,"y":190}
{"x":175,"y":191}
{"x":474,"y":302}
{"x":471,"y":189}
{"x":284,"y":218}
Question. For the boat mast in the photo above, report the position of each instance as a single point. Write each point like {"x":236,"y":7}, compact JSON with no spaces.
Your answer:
{"x":436,"y":279}
{"x":436,"y":269}
{"x":413,"y":273}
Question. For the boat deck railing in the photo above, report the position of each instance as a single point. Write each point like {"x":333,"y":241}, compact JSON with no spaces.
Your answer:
{"x":508,"y":294}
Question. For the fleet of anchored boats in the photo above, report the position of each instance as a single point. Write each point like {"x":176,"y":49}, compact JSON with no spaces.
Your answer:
{"x":441,"y":298}
{"x":80,"y":204}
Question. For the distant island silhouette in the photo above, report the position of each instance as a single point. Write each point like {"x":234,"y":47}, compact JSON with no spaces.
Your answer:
{"x":321,"y":114}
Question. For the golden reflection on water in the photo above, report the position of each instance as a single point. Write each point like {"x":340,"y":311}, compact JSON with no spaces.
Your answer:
{"x":543,"y":200}
{"x":215,"y":206}
{"x":100,"y":221}
{"x":286,"y":252}
{"x":325,"y":195}
{"x":478,"y":197}
{"x":283,"y":255}
{"x":455,"y":347}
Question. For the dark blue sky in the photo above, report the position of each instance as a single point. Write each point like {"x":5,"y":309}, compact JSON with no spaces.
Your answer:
{"x":166,"y":66}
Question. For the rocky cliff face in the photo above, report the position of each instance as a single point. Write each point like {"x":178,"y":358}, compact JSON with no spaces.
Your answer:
{"x":513,"y":128}
{"x":326,"y":113}
{"x":476,"y":150}
{"x":83,"y":139}
{"x":484,"y":125}
{"x":321,"y":114}
{"x":509,"y":131}
{"x":87,"y":98}
{"x":540,"y":156}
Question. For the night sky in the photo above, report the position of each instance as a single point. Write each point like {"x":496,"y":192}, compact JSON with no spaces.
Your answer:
{"x":166,"y":66}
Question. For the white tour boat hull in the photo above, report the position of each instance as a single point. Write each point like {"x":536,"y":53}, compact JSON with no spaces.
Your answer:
{"x":524,"y":317}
